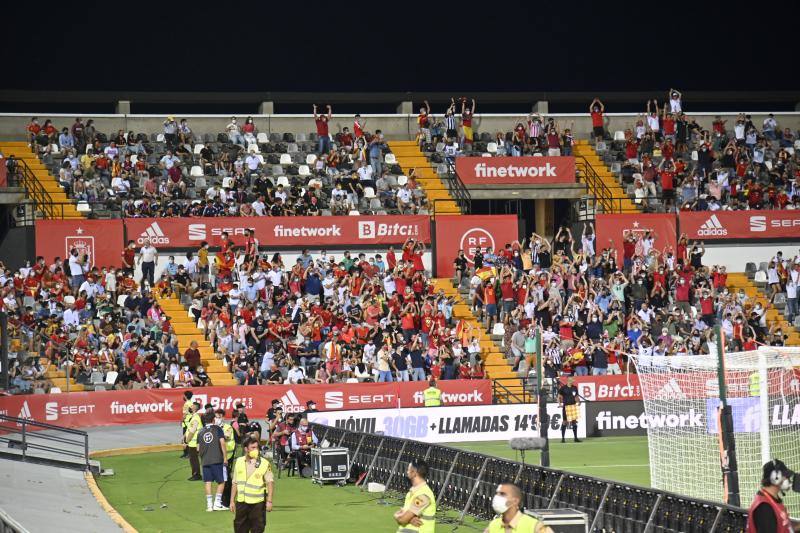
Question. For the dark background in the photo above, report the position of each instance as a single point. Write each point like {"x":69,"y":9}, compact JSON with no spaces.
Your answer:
{"x":399,"y":46}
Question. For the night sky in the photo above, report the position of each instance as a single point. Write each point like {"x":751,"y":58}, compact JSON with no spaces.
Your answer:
{"x":400,"y":46}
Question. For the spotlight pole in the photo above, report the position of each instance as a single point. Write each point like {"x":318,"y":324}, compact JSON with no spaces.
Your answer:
{"x":544,"y":421}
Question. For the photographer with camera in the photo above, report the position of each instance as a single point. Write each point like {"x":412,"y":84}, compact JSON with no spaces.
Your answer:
{"x":768,"y":513}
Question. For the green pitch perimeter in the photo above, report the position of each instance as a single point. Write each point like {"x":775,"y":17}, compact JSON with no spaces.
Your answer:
{"x":151,"y":491}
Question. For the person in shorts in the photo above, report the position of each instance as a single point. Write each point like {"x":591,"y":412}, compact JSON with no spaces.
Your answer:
{"x":212,"y":450}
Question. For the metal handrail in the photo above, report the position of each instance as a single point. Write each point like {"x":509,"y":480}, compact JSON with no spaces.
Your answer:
{"x":36,"y":191}
{"x":26,"y":424}
{"x":501,"y":391}
{"x":457,"y":189}
{"x":596,"y":185}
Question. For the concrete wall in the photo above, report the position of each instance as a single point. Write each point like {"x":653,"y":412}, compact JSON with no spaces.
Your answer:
{"x":12,"y":126}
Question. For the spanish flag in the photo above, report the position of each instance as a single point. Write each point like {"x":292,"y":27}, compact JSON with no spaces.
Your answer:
{"x":486,"y":273}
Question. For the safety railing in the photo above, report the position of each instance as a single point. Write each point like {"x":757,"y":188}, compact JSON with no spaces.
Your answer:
{"x":44,"y":443}
{"x":597,"y":187}
{"x":465,"y":482}
{"x":35,"y":191}
{"x":511,"y":390}
{"x":457,"y":189}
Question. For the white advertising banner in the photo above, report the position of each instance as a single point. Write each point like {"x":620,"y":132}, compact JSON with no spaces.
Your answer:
{"x":452,"y":424}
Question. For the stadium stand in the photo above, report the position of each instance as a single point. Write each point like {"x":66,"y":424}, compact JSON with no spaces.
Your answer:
{"x":596,"y":307}
{"x":236,"y":172}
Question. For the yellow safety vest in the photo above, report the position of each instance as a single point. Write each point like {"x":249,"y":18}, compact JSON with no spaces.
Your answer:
{"x":251,"y":489}
{"x":428,"y":515}
{"x":755,"y":384}
{"x":525,"y":524}
{"x":187,"y":405}
{"x":230,"y":440}
{"x":433,"y":397}
{"x":185,"y":422}
{"x":199,"y":425}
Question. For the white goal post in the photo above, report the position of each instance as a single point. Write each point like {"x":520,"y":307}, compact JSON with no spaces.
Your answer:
{"x":681,"y":399}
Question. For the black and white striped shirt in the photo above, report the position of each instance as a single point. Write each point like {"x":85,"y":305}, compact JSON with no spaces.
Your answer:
{"x":450,"y":122}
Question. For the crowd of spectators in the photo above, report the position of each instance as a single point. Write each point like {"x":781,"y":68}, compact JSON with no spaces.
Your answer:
{"x":595,"y":309}
{"x":239,"y":172}
{"x":322,"y":319}
{"x":665,"y":159}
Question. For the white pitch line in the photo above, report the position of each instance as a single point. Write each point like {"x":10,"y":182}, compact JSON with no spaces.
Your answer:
{"x":598,"y":466}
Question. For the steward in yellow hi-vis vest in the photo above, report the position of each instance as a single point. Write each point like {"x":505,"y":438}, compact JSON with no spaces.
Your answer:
{"x":510,"y":518}
{"x":253,"y":487}
{"x":432,"y":395}
{"x":418,"y":514}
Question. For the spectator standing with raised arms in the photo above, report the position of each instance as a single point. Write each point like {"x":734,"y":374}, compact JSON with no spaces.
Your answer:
{"x":596,"y":109}
{"x":323,"y":133}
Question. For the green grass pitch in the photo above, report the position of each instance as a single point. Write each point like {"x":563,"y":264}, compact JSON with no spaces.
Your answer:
{"x":151,"y":491}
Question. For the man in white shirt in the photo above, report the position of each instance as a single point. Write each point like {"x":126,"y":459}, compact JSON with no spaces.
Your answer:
{"x":254,"y":162}
{"x":111,"y":151}
{"x":147,"y":257}
{"x":91,"y":288}
{"x":295,"y":375}
{"x":275,"y":276}
{"x":405,"y":199}
{"x":259,"y":206}
{"x":365,"y":176}
{"x":72,"y":317}
{"x":169,"y":160}
{"x":77,"y":269}
{"x":232,"y":129}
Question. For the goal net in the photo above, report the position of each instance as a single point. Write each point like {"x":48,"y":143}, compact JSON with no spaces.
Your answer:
{"x":681,"y":402}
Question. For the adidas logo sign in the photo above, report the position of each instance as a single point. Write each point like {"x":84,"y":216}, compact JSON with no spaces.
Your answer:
{"x":25,"y":411}
{"x":712,"y":226}
{"x":671,"y":390}
{"x":154,"y":234}
{"x":290,"y":403}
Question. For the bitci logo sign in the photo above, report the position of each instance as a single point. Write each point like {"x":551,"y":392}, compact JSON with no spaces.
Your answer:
{"x":475,"y":238}
{"x":587,"y":391}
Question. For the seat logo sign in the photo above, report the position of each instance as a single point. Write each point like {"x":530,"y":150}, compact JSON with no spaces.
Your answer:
{"x":334,"y":400}
{"x":197,"y":232}
{"x":475,"y":238}
{"x":758,"y":223}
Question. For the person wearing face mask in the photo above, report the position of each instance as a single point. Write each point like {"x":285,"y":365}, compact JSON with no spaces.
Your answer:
{"x":252,"y":490}
{"x":767,"y":513}
{"x":418,"y":513}
{"x":212,"y":448}
{"x":301,"y":442}
{"x":193,"y":427}
{"x":510,"y":518}
{"x":230,"y":450}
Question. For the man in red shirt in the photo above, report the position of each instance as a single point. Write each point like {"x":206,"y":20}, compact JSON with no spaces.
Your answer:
{"x":596,"y":109}
{"x":128,"y":257}
{"x":321,"y":121}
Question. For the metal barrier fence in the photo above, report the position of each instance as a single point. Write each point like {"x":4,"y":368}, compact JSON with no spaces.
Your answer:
{"x":44,"y":443}
{"x":465,"y":482}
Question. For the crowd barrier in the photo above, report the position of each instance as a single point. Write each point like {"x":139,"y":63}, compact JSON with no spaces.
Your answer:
{"x":465,"y":482}
{"x":151,"y":406}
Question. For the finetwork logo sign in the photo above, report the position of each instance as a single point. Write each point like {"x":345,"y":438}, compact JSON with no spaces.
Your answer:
{"x":712,"y":226}
{"x":154,"y":234}
{"x":482,"y":170}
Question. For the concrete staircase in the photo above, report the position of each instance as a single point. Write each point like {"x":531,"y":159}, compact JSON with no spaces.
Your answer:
{"x":622,"y":202}
{"x":186,"y":330}
{"x":737,"y":280}
{"x":21,"y":150}
{"x":497,"y":366}
{"x":58,"y":378}
{"x":409,"y":157}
